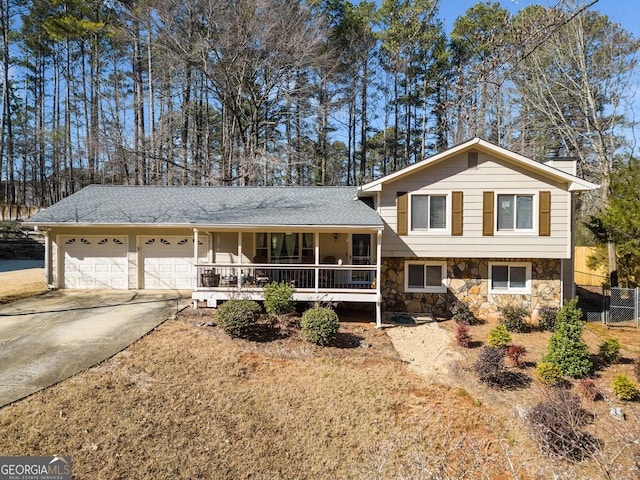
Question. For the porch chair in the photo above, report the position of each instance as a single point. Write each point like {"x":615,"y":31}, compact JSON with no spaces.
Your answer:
{"x":262,"y":277}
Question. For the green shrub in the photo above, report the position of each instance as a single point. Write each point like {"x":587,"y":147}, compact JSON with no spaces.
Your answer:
{"x":623,"y":388}
{"x":462,"y":313}
{"x":548,"y":374}
{"x":278,"y":298}
{"x":512,"y":317}
{"x":319,"y":325}
{"x":566,"y":349}
{"x":609,"y":351}
{"x":570,"y":313}
{"x":238,"y":318}
{"x":548,"y":317}
{"x":499,"y":337}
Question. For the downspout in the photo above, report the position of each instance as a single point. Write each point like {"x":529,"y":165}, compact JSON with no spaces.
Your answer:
{"x":378,"y":280}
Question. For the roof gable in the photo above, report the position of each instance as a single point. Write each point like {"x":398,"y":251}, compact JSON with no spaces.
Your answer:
{"x":574,"y":184}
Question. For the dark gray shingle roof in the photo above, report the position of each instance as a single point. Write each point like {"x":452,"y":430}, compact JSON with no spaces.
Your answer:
{"x":147,"y":205}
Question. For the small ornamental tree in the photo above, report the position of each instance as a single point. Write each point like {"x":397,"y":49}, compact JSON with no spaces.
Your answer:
{"x":463,"y":338}
{"x":609,"y":351}
{"x":490,"y":367}
{"x":557,"y":423}
{"x":499,"y":337}
{"x":548,"y":374}
{"x":566,"y":349}
{"x":515,"y":353}
{"x":624,"y":388}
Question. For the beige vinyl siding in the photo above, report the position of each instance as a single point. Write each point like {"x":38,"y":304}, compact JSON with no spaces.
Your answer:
{"x":494,"y":175}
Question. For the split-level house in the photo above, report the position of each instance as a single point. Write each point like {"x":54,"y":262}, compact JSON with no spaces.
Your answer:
{"x":476,"y":223}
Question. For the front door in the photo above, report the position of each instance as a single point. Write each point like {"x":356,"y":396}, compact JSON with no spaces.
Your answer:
{"x":361,"y":255}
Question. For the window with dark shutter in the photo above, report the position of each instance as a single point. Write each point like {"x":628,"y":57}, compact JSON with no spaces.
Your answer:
{"x":544,"y":214}
{"x":456,"y":213}
{"x":402,"y":212}
{"x":487,"y":214}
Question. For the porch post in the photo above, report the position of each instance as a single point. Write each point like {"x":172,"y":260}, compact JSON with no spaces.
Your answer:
{"x":378,"y":279}
{"x":316,"y":243}
{"x":47,"y":257}
{"x":195,"y":246}
{"x":239,"y":272}
{"x":195,"y":261}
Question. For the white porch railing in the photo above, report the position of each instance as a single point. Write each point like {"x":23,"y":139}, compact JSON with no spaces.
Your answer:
{"x":302,"y":277}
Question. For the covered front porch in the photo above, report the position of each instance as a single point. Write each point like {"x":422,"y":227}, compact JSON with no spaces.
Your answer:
{"x":338,"y":265}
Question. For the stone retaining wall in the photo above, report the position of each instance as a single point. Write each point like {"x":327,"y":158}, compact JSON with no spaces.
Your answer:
{"x":468,"y":281}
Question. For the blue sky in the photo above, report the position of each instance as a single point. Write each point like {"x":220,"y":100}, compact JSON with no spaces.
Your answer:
{"x":624,"y":12}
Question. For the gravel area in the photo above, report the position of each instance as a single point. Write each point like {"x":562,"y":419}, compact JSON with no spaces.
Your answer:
{"x":427,"y":348}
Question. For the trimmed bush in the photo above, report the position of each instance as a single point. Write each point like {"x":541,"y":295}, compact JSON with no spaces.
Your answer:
{"x":588,"y":389}
{"x":319,"y":325}
{"x":499,"y":337}
{"x":566,"y":349}
{"x":609,"y":351}
{"x":623,"y":388}
{"x":556,"y":424}
{"x":238,"y":318}
{"x":547,"y":317}
{"x":490,"y":366}
{"x":548,"y":374}
{"x":463,"y":338}
{"x":462,"y":313}
{"x":515,"y":353}
{"x":512,"y":317}
{"x":278,"y":298}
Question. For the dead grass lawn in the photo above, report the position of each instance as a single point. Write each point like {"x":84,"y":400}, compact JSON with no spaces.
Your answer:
{"x":21,"y":284}
{"x":188,"y":402}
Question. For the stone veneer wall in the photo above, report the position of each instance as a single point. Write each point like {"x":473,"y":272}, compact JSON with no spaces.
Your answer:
{"x":468,"y":281}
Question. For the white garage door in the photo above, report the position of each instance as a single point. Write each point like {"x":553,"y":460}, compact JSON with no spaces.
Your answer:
{"x":167,"y":262}
{"x":94,"y":261}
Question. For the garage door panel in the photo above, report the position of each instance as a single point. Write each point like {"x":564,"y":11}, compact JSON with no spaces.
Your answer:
{"x":94,"y":262}
{"x":167,"y":261}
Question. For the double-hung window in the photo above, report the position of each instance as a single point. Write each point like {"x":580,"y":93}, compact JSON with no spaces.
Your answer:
{"x":515,"y":213}
{"x":512,"y":278}
{"x":428,"y":213}
{"x":425,"y":277}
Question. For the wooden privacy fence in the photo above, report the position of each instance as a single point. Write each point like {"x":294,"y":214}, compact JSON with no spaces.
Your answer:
{"x":12,"y":213}
{"x":583,"y":275}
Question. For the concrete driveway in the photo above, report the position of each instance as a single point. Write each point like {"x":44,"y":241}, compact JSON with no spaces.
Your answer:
{"x":48,"y":338}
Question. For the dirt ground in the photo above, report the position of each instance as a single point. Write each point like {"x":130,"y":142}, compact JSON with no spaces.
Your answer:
{"x":21,"y":283}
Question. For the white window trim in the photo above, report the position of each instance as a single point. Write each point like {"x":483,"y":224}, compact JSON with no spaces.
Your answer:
{"x":430,"y":231}
{"x":269,"y":244}
{"x":440,"y":263}
{"x":510,"y":291}
{"x":534,"y":214}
